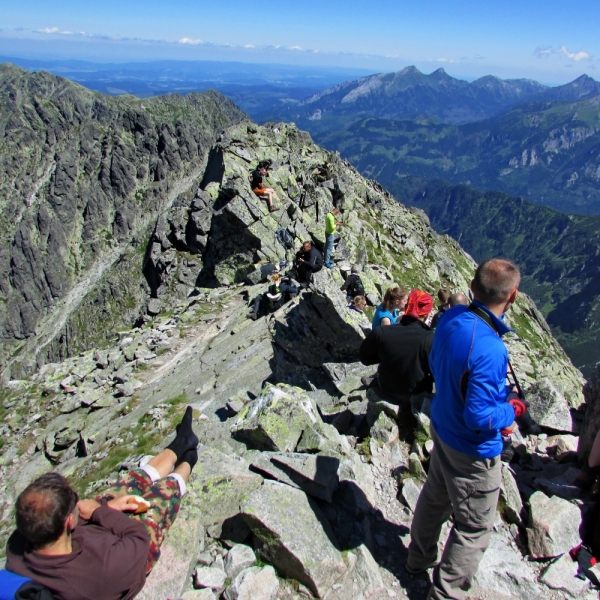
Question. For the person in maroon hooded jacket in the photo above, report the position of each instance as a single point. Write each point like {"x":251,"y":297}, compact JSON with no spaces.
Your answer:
{"x":98,"y":549}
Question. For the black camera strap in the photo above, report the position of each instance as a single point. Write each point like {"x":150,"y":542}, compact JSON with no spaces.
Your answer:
{"x":485,"y":317}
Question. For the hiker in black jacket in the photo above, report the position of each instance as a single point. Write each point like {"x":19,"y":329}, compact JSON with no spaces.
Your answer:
{"x":308,"y":261}
{"x":402,"y":351}
{"x":353,"y":286}
{"x":279,"y":292}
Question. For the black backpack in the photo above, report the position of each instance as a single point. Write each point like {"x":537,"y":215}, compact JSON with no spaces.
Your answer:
{"x":356,"y":288}
{"x":284,"y":237}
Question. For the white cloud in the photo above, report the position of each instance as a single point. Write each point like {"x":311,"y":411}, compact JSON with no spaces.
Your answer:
{"x":295,"y":48}
{"x":576,"y":56}
{"x":249,"y":46}
{"x":54,"y":30}
{"x":186,"y":40}
{"x":563,"y":51}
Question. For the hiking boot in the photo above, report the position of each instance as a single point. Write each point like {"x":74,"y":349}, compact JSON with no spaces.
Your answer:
{"x":414,"y":571}
{"x":272,"y":209}
{"x":253,"y":316}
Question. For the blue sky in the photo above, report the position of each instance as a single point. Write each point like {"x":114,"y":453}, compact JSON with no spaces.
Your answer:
{"x":550,"y":40}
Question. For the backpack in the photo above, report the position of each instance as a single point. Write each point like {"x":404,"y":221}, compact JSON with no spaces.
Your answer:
{"x":284,"y":237}
{"x":13,"y":586}
{"x":356,"y":288}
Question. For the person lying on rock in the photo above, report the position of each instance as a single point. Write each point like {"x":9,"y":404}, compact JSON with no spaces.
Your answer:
{"x":259,"y":188}
{"x":308,"y":261}
{"x":401,"y":351}
{"x":101,"y":549}
{"x":280,"y":291}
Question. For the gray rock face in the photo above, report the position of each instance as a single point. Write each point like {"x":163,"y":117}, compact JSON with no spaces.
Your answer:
{"x":303,"y":548}
{"x":240,"y":557}
{"x":553,"y":526}
{"x":549,"y":407}
{"x":82,"y":166}
{"x":503,"y":573}
{"x":210,"y":577}
{"x":560,"y":575}
{"x":591,"y":421}
{"x":410,"y":492}
{"x":509,"y":492}
{"x":177,"y":558}
{"x":315,"y":475}
{"x":254,"y":583}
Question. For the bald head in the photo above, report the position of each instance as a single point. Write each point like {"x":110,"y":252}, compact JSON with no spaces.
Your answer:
{"x":495,"y":281}
{"x":458,"y":299}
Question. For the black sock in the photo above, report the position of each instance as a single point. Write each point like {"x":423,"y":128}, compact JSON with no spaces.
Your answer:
{"x":190,"y":457}
{"x":185,"y":439}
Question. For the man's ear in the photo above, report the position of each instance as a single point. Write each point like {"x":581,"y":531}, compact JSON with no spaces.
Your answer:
{"x":513,"y":296}
{"x":471,"y":288}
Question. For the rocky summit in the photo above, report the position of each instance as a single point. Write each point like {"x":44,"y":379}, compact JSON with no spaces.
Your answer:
{"x":306,"y":481}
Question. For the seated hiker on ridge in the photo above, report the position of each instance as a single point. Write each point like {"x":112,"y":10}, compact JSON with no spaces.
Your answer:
{"x":358,"y":304}
{"x":308,"y":261}
{"x":280,"y":291}
{"x":456,"y":299}
{"x":258,"y":186}
{"x":388,"y":311}
{"x":402,"y":351}
{"x":98,"y":549}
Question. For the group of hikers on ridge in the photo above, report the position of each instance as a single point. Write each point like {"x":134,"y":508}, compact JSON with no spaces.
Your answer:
{"x":104,"y":548}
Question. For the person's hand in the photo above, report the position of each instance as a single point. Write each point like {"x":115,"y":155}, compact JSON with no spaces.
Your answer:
{"x":300,"y":260}
{"x":86,"y":508}
{"x":509,"y":430}
{"x":121,"y":504}
{"x":519,"y":406}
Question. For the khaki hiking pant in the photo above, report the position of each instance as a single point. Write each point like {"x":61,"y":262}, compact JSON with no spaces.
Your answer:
{"x":467,"y":487}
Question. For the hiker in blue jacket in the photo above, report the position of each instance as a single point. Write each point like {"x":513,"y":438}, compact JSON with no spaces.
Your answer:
{"x":471,"y":408}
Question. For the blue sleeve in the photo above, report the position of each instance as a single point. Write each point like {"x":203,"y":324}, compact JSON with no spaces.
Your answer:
{"x":485,"y":405}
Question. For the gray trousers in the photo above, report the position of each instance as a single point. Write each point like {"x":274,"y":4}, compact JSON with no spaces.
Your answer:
{"x":467,"y":487}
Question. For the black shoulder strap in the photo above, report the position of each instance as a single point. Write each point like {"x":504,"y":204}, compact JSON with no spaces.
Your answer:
{"x":483,"y":315}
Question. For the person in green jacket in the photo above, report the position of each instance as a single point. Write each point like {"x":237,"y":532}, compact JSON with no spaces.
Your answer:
{"x":330,"y":229}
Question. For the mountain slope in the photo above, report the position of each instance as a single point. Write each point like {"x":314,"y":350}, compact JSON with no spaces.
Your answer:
{"x":82,"y":178}
{"x":547,"y":152}
{"x":409,"y":94}
{"x":559,"y":254}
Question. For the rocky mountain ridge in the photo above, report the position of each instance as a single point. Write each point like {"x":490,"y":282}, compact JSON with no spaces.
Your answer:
{"x":84,"y":177}
{"x":306,"y":480}
{"x":409,"y":94}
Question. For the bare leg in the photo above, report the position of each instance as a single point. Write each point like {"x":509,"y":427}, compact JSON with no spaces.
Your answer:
{"x":184,"y":470}
{"x":164,"y":462}
{"x":594,"y":459}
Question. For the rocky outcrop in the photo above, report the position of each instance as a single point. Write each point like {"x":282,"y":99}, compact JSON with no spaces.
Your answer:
{"x":84,"y":178}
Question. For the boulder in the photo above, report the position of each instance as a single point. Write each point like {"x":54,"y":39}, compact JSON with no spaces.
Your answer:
{"x":549,"y":406}
{"x":363,"y":579}
{"x":553,"y":526}
{"x":277,"y":419}
{"x":303,"y":547}
{"x":240,"y":557}
{"x":178,"y":553}
{"x":384,"y":430}
{"x":254,"y":583}
{"x":210,"y":577}
{"x":503,"y":573}
{"x":205,"y":594}
{"x":510,"y":497}
{"x":561,"y":575}
{"x":218,"y":484}
{"x":411,"y":489}
{"x":347,"y":376}
{"x":316,"y":475}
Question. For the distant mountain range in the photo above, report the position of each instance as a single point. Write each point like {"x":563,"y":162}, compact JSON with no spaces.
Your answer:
{"x":559,"y":254}
{"x":547,"y":152}
{"x":410,"y":94}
